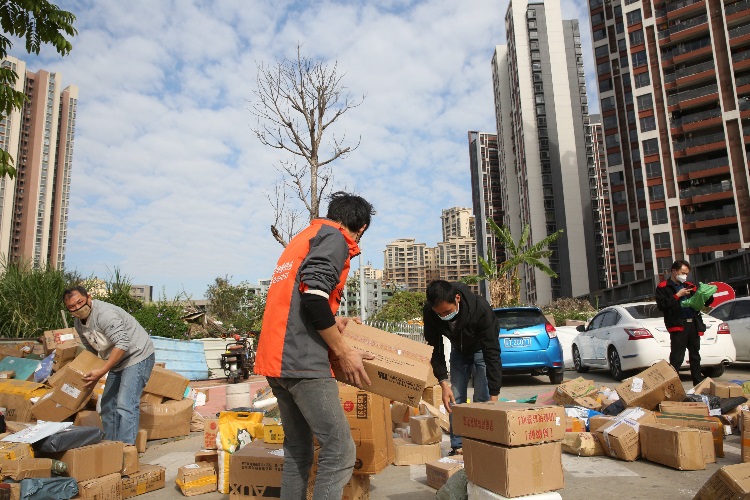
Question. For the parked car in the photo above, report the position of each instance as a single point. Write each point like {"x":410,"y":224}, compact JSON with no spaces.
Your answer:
{"x":566,"y":334}
{"x":736,"y":313}
{"x":633,"y":336}
{"x":529,"y":343}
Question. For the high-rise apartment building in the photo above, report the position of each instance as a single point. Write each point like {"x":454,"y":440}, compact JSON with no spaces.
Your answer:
{"x":34,"y":205}
{"x":674,"y":82}
{"x":404,"y":264}
{"x":606,"y":256}
{"x":457,"y":222}
{"x":486,"y":192}
{"x":544,"y":145}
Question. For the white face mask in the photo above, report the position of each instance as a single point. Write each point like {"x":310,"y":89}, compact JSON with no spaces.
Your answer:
{"x":682,"y":278}
{"x":452,"y":315}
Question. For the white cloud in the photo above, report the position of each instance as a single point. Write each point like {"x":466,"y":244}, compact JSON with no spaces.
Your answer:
{"x":168,"y":180}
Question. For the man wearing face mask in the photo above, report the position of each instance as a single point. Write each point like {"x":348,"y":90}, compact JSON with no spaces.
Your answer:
{"x":684,"y":324}
{"x":467,"y":320}
{"x":115,"y":336}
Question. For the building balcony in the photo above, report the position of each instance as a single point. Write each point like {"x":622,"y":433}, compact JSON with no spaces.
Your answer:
{"x":703,"y":168}
{"x":737,"y":12}
{"x":675,"y":9}
{"x":741,"y":60}
{"x":682,"y":30}
{"x":696,"y":121}
{"x":713,"y":242}
{"x":701,"y":192}
{"x":690,"y":75}
{"x":739,"y":35}
{"x":691,"y":98}
{"x":702,"y":144}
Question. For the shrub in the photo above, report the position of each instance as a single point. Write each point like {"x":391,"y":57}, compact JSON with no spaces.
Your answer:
{"x":568,"y":308}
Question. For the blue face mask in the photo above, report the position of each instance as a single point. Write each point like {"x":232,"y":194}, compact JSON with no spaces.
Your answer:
{"x":450,"y":316}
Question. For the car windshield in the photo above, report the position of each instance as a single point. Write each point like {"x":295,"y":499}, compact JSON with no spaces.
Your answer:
{"x":519,"y":318}
{"x":644,"y":311}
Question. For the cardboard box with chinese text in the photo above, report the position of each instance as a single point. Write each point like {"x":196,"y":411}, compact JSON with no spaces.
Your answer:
{"x":210,"y":428}
{"x":511,"y":424}
{"x":729,"y":482}
{"x":368,"y":417}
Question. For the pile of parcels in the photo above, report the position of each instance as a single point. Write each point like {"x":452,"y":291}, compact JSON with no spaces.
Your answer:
{"x":60,"y":403}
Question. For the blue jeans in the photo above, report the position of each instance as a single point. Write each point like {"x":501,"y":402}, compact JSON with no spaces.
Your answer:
{"x":462,"y":368}
{"x":121,"y":399}
{"x":311,"y":406}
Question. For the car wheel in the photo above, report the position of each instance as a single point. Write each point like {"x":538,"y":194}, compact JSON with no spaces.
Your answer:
{"x":577,"y":361}
{"x":713,"y":371}
{"x":556,"y":376}
{"x":615,"y":368}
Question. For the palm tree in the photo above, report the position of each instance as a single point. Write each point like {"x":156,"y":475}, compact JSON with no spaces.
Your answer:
{"x":503,"y":278}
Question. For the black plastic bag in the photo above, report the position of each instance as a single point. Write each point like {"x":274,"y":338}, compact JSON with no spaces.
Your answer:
{"x":53,"y":488}
{"x":615,"y":408}
{"x":729,"y":404}
{"x":713,"y":402}
{"x":72,"y":437}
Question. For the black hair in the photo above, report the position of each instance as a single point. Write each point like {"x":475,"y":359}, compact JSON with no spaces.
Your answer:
{"x":677,"y":265}
{"x":353,"y":211}
{"x":441,"y":291}
{"x":78,"y":288}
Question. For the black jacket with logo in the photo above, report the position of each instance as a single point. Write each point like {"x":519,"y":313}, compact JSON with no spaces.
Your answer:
{"x":669,"y":304}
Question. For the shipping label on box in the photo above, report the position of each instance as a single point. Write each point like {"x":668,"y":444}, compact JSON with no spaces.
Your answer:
{"x":676,"y":447}
{"x":439,"y":471}
{"x":166,"y":383}
{"x":731,"y":481}
{"x":514,"y":471}
{"x":649,"y":388}
{"x":196,"y":479}
{"x":8,"y":374}
{"x":273,"y":433}
{"x":511,"y":424}
{"x":71,"y":391}
{"x":567,"y":392}
{"x":408,"y":453}
{"x":148,"y":478}
{"x":370,"y":425}
{"x":400,"y":367}
{"x":107,"y":487}
{"x":710,"y":424}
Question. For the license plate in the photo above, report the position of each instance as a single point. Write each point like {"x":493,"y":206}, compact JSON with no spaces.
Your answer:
{"x":521,"y":342}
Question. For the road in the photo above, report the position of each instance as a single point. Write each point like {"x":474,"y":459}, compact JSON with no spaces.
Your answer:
{"x":584,"y":477}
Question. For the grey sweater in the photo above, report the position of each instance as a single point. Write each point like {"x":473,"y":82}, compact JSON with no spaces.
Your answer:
{"x":110,"y":326}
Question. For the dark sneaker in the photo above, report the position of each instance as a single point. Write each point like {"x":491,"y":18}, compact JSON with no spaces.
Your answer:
{"x":455,"y":451}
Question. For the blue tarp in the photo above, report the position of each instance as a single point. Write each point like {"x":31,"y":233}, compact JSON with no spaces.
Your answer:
{"x":185,"y":357}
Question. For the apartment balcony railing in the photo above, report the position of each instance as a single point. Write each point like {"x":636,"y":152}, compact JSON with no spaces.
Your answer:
{"x":741,"y":56}
{"x":718,"y":239}
{"x":735,"y":7}
{"x":739,"y":31}
{"x":743,"y":80}
{"x":692,"y":94}
{"x":721,"y":213}
{"x":746,"y":130}
{"x":716,"y":187}
{"x":683,"y":25}
{"x":696,"y":117}
{"x":699,"y":141}
{"x":684,"y":48}
{"x":690,"y":70}
{"x":686,"y":168}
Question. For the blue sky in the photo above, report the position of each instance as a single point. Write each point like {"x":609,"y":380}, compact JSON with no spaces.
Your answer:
{"x":168,"y":180}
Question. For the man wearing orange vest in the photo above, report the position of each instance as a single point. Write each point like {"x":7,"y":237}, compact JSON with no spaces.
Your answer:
{"x":300,"y":331}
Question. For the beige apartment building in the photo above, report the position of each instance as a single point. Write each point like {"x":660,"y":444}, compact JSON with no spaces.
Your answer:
{"x":34,"y":205}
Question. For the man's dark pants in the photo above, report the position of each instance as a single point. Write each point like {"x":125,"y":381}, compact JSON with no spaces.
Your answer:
{"x":688,"y":339}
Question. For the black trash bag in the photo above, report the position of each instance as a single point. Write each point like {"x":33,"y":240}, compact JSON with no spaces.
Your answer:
{"x":455,"y":488}
{"x":729,"y":404}
{"x":713,"y":402}
{"x":53,"y":488}
{"x":72,"y":437}
{"x":614,"y":408}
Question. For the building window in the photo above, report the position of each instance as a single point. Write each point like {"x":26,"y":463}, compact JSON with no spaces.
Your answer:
{"x":605,"y":85}
{"x":636,"y":38}
{"x":533,"y":34}
{"x":603,"y":68}
{"x":625,"y":257}
{"x":648,"y":123}
{"x":536,"y":66}
{"x":653,"y":170}
{"x":535,"y":55}
{"x":612,"y":140}
{"x":608,"y":103}
{"x":645,"y":101}
{"x":531,"y":14}
{"x":639,"y":59}
{"x":633,"y":17}
{"x":650,"y":147}
{"x":617,"y":179}
{"x":600,"y":34}
{"x":623,"y":237}
{"x":662,"y":241}
{"x":614,"y":159}
{"x":656,"y":192}
{"x":609,"y":122}
{"x":663,"y":265}
{"x":540,"y":110}
{"x":659,"y":216}
{"x":539,"y":98}
{"x":532,"y":24}
{"x":618,"y":197}
{"x":601,"y":51}
{"x":642,"y":79}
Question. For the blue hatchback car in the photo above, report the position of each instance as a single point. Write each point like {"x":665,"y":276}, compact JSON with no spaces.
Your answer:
{"x":529,"y":343}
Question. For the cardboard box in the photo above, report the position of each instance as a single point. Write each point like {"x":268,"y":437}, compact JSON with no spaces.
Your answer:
{"x":620,"y":439}
{"x":598,"y":421}
{"x":87,"y":418}
{"x":401,"y":366}
{"x":582,"y":444}
{"x":273,"y":433}
{"x":358,"y":488}
{"x":208,"y":456}
{"x":443,"y":419}
{"x":140,"y":440}
{"x":70,"y":389}
{"x":704,"y":387}
{"x":424,"y":429}
{"x":433,"y":395}
{"x":439,"y":471}
{"x":514,"y":471}
{"x":52,"y":339}
{"x":92,"y":461}
{"x":255,"y":472}
{"x":729,"y":482}
{"x":151,"y":399}
{"x":367,"y":415}
{"x":15,"y":451}
{"x":107,"y":487}
{"x":49,"y":410}
{"x":726,"y":389}
{"x":676,"y":447}
{"x":707,"y":445}
{"x":148,"y":478}
{"x":169,"y":419}
{"x":210,"y":428}
{"x":400,"y":413}
{"x":15,"y":397}
{"x":129,"y":460}
{"x":511,"y":424}
{"x":96,"y":394}
{"x":8,"y":374}
{"x":655,"y":384}
{"x":710,"y":424}
{"x":166,"y":383}
{"x":684,"y":408}
{"x":65,"y":353}
{"x":26,"y":468}
{"x":567,"y":392}
{"x":745,"y":436}
{"x":408,"y":453}
{"x":196,"y":479}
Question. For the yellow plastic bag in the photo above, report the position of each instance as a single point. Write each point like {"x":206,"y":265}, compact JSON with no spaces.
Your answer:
{"x":236,"y":429}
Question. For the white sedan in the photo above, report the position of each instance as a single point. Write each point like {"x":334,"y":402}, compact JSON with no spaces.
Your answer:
{"x":633,"y":336}
{"x":736,"y":313}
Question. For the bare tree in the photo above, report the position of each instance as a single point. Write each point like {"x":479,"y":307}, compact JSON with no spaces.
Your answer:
{"x":298,"y":101}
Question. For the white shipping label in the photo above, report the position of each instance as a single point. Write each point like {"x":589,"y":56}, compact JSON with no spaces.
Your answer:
{"x":70,"y":391}
{"x":278,"y":453}
{"x":557,"y":421}
{"x":637,"y":385}
{"x":193,"y":466}
{"x":634,"y":413}
{"x":65,"y":337}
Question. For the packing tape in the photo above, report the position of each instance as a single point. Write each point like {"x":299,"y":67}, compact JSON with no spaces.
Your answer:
{"x":745,"y":441}
{"x":537,"y":472}
{"x":196,"y":483}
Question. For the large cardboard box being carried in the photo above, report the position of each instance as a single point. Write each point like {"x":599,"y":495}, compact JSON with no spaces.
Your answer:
{"x":660,"y":382}
{"x":401,"y":366}
{"x":678,"y":447}
{"x":49,"y":410}
{"x":91,"y":461}
{"x":439,"y":471}
{"x":166,"y":383}
{"x":514,"y":471}
{"x":169,"y":419}
{"x":70,"y":389}
{"x":621,"y":438}
{"x":727,"y":483}
{"x":107,"y":487}
{"x":148,"y":478}
{"x":408,"y":453}
{"x":511,"y":424}
{"x":15,"y":397}
{"x":368,"y":416}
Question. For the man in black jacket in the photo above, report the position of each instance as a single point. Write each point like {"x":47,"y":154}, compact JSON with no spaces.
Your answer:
{"x":684,"y":324}
{"x":467,"y":320}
